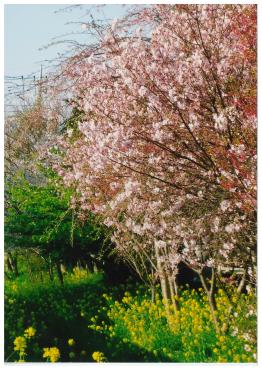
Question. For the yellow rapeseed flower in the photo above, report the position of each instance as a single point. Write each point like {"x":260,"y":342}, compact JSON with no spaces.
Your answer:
{"x":98,"y":357}
{"x":221,"y":338}
{"x":52,"y":354}
{"x":20,"y":344}
{"x":71,"y":342}
{"x":29,"y":332}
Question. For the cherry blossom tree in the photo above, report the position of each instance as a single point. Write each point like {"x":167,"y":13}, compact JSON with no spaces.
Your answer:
{"x":165,"y":149}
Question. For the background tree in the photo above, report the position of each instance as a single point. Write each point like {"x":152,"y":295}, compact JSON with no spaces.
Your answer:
{"x":40,"y":219}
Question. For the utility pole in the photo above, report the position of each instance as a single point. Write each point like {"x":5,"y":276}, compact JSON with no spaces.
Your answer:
{"x":23,"y":86}
{"x":39,"y":97}
{"x":23,"y":90}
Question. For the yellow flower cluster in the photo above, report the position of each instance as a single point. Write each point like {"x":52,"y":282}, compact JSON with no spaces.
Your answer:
{"x":132,"y":317}
{"x":163,"y":333}
{"x":140,"y":322}
{"x":29,"y":332}
{"x":71,"y":342}
{"x":52,"y":354}
{"x":99,"y":357}
{"x":20,"y":344}
{"x":79,"y":273}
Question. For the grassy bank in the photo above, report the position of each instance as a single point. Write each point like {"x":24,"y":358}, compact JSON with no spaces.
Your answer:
{"x":89,"y":320}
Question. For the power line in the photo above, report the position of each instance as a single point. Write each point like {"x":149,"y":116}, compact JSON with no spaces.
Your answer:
{"x":21,"y":88}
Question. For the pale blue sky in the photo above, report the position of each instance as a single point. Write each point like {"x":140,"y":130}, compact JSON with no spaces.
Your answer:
{"x":30,"y":27}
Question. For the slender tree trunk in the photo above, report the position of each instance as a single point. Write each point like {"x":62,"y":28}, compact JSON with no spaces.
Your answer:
{"x":16,"y":266}
{"x":173,"y":292}
{"x":9,"y":264}
{"x":240,"y":288}
{"x":50,"y":272}
{"x":95,"y":269}
{"x":29,"y":265}
{"x":50,"y":268}
{"x":152,"y":286}
{"x":87,"y":268}
{"x":163,"y":283}
{"x":211,"y":296}
{"x":165,"y":292}
{"x":12,"y":263}
{"x":153,"y":293}
{"x":59,"y":272}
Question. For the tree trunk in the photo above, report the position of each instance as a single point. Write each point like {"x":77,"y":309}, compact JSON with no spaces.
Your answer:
{"x":173,"y":292}
{"x":163,"y":283}
{"x":240,"y":288}
{"x":9,"y":265}
{"x":211,"y":296}
{"x":12,"y":263}
{"x":95,"y":269}
{"x":153,"y":293}
{"x":29,"y":265}
{"x":59,"y":272}
{"x":50,"y":272}
{"x":50,"y":268}
{"x":89,"y":266}
{"x":16,"y":266}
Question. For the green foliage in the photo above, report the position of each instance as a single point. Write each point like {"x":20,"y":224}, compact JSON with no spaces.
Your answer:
{"x":40,"y":216}
{"x":36,"y":215}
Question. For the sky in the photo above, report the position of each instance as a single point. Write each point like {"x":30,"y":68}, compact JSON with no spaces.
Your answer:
{"x":31,"y":27}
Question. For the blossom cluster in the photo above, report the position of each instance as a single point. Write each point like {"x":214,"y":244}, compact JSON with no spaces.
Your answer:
{"x":166,"y":146}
